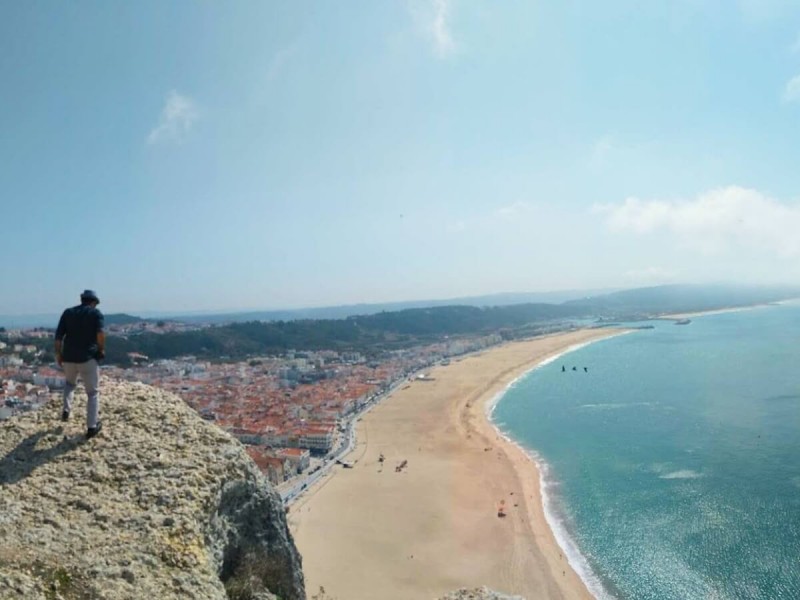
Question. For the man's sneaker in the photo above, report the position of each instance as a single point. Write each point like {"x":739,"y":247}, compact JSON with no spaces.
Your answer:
{"x":65,"y":415}
{"x":93,"y":431}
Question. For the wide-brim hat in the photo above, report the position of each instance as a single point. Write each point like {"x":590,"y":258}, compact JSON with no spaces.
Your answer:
{"x":90,"y":295}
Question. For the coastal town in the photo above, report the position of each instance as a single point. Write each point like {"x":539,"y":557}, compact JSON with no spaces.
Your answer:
{"x":294,"y":412}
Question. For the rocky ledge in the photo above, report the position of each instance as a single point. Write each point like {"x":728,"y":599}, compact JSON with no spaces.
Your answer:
{"x":160,"y":505}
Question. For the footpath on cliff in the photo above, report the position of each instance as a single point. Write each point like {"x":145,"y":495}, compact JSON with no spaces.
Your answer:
{"x":160,"y":505}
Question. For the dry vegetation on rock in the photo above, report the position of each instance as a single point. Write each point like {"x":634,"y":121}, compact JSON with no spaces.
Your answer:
{"x":160,"y":505}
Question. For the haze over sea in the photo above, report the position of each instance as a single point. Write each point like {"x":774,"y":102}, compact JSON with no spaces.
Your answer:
{"x":672,"y":467}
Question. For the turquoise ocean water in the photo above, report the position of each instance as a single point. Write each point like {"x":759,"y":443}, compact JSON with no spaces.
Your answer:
{"x":672,"y":467}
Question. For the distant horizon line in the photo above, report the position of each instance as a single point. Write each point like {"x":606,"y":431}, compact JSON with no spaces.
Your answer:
{"x":226,"y":311}
{"x":38,"y":319}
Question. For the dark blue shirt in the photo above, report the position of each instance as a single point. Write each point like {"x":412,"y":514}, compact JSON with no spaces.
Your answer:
{"x":78,"y":329}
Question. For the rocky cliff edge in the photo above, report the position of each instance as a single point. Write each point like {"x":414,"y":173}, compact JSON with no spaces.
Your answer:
{"x":161,"y":504}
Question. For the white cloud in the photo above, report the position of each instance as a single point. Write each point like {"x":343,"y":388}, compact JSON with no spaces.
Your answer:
{"x":719,"y":221}
{"x":177,"y":119}
{"x":791,"y":92}
{"x":433,"y":19}
{"x":442,"y":37}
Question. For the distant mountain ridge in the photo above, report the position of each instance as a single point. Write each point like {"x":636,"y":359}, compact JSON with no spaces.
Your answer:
{"x":323,"y":312}
{"x":377,"y":333}
{"x":657,"y":299}
{"x":678,"y":298}
{"x":122,"y":319}
{"x":44,"y":320}
{"x":631,"y":302}
{"x":350,"y":310}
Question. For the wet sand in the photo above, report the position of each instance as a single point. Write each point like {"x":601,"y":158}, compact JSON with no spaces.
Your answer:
{"x":372,"y":532}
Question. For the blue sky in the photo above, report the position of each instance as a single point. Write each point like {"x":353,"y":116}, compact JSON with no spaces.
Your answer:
{"x":209,"y":155}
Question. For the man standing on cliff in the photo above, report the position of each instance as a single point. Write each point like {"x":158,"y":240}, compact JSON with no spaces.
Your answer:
{"x":80,"y":343}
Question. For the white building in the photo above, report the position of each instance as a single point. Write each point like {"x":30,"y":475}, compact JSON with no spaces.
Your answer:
{"x":316,"y":438}
{"x":298,"y":458}
{"x":275,"y":439}
{"x":246,"y":436}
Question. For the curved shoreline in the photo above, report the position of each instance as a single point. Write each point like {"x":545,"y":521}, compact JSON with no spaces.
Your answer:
{"x":433,"y":527}
{"x":575,"y":558}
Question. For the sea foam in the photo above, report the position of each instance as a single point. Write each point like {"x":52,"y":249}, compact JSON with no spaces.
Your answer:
{"x":615,"y":405}
{"x":547,"y":484}
{"x":682,"y":474}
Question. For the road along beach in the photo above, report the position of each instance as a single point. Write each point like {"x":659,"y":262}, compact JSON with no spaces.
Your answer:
{"x":417,"y":515}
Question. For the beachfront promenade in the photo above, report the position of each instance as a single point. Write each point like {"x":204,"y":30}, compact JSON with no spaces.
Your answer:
{"x":292,"y":490}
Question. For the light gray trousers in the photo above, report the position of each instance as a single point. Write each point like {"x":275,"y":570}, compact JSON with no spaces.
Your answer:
{"x":89,"y":372}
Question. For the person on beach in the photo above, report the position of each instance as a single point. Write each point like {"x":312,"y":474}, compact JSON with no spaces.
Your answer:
{"x":80,"y":344}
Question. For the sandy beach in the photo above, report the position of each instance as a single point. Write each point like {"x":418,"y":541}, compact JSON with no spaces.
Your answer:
{"x":718,"y":311}
{"x":373,"y":533}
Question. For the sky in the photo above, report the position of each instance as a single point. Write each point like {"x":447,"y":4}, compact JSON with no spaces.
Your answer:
{"x":190,"y":156}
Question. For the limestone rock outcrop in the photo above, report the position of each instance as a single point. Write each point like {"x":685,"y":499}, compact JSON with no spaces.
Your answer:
{"x":160,"y":505}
